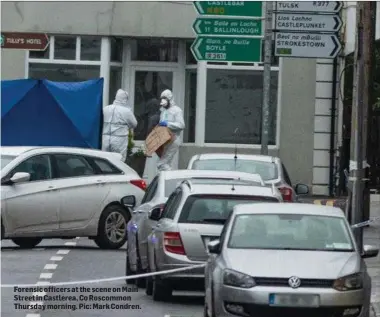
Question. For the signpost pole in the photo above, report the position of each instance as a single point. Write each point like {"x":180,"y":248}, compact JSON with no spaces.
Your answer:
{"x":267,"y":77}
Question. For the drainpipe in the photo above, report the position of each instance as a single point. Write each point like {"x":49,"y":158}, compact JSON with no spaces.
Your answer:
{"x":332,"y":132}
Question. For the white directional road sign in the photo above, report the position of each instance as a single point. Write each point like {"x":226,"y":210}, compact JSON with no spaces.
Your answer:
{"x":312,"y":45}
{"x":307,"y":22}
{"x":309,"y":6}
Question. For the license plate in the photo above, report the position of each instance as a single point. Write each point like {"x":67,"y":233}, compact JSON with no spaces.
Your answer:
{"x":294,"y":300}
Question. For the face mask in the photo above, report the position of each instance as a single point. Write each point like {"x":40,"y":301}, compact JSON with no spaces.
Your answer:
{"x":164,"y":102}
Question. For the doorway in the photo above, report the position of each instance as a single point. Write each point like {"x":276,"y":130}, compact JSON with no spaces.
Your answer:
{"x":147,"y":84}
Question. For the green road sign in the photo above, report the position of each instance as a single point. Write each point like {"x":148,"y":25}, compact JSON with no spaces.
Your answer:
{"x":227,"y":49}
{"x":231,"y":8}
{"x":224,"y":26}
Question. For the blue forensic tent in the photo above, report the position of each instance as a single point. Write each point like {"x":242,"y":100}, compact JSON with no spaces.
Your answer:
{"x":47,"y":113}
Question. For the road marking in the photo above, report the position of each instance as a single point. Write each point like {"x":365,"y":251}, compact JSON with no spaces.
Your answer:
{"x":63,"y":251}
{"x":56,"y":258}
{"x":50,"y":266}
{"x":33,"y":315}
{"x":44,"y":282}
{"x":73,"y":244}
{"x":46,"y":275}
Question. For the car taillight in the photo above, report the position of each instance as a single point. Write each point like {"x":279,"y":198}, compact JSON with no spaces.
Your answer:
{"x":173,"y":243}
{"x":287,"y":193}
{"x":140,"y":183}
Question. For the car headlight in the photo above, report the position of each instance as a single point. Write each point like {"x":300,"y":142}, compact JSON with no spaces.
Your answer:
{"x":349,"y":282}
{"x":237,"y":279}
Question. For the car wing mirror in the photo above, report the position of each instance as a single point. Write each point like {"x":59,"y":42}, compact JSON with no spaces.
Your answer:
{"x":301,"y":189}
{"x":214,"y":247}
{"x":155,"y":214}
{"x":370,"y":251}
{"x":129,"y":201}
{"x":20,"y":177}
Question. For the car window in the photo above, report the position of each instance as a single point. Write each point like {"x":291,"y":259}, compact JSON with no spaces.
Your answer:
{"x":267,"y":170}
{"x":106,"y":167}
{"x":290,"y":232}
{"x":199,"y":208}
{"x":38,"y":167}
{"x":73,"y":166}
{"x":286,"y":175}
{"x":151,"y":191}
{"x":224,"y":230}
{"x":172,"y":204}
{"x":6,"y":159}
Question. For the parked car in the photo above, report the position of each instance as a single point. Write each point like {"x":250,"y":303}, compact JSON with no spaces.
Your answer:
{"x":299,"y":260}
{"x":53,"y":192}
{"x":270,"y":168}
{"x":193,"y":215}
{"x":140,"y":225}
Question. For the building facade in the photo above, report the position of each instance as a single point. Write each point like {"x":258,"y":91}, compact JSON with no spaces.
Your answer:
{"x":144,"y":47}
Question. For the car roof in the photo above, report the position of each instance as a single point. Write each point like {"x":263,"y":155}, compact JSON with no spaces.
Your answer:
{"x":224,"y":189}
{"x":18,"y":150}
{"x":224,"y":156}
{"x":174,"y":174}
{"x":289,"y":208}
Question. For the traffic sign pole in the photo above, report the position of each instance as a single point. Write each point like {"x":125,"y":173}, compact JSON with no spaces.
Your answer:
{"x":265,"y":114}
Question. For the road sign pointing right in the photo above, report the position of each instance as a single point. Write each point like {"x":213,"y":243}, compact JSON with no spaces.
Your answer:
{"x":309,"y":6}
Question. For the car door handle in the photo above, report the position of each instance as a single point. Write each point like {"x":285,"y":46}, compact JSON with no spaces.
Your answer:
{"x":52,"y":189}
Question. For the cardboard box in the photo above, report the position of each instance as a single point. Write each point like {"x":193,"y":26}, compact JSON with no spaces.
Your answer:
{"x":157,"y":139}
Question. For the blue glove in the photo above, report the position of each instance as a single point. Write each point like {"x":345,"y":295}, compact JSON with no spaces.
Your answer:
{"x":163,"y":124}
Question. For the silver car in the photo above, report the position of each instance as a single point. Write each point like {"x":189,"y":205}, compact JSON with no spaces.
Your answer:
{"x":270,"y":168}
{"x":299,"y":260}
{"x":140,"y":226}
{"x":194,"y":215}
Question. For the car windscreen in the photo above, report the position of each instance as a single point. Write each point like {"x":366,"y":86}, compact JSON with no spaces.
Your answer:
{"x":172,"y":184}
{"x":290,"y":232}
{"x":6,"y":159}
{"x":210,"y":208}
{"x":267,"y":170}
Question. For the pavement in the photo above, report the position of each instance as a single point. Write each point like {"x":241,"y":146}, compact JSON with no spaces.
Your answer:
{"x":80,"y":259}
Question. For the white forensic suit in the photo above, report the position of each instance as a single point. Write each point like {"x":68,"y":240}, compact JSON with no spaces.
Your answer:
{"x":172,"y":117}
{"x":118,"y":118}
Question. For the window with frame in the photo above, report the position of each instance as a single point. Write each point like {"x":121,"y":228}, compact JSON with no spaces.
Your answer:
{"x":234,"y":106}
{"x":105,"y":167}
{"x":39,"y":168}
{"x":73,"y":166}
{"x":172,"y":204}
{"x":151,"y":190}
{"x":154,"y":50}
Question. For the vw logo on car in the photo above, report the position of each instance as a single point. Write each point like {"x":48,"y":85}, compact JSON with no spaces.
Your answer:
{"x":294,"y":282}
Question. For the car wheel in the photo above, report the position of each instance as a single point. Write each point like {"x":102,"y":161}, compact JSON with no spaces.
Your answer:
{"x":161,"y":292}
{"x":112,"y":231}
{"x":128,"y":271}
{"x":27,"y":243}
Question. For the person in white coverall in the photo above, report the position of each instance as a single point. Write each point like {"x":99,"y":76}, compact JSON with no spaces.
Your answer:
{"x":118,"y":119}
{"x":172,"y":117}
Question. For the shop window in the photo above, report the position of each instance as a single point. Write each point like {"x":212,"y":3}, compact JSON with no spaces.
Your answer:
{"x":234,"y":101}
{"x":40,"y":54}
{"x":154,"y":50}
{"x":148,"y":87}
{"x":116,"y":50}
{"x":190,"y":106}
{"x":190,"y":59}
{"x":116,"y":75}
{"x":65,"y":47}
{"x":90,"y":48}
{"x":63,"y":73}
